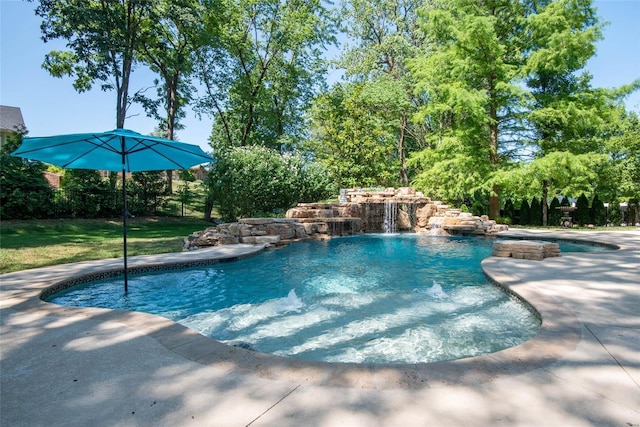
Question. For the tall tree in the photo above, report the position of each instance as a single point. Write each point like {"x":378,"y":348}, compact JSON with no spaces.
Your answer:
{"x":103,"y":38}
{"x":566,"y":110}
{"x":469,"y":73}
{"x":171,"y":35}
{"x":505,"y":74}
{"x":624,"y":148}
{"x":385,"y":35}
{"x":557,"y":173}
{"x":561,"y":38}
{"x":263,"y":68}
{"x":349,"y":137}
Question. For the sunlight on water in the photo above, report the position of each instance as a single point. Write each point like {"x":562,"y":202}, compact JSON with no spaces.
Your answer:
{"x":424,"y":325}
{"x":370,"y":298}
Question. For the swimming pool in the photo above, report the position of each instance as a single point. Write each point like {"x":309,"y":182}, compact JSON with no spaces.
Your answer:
{"x":365,"y":299}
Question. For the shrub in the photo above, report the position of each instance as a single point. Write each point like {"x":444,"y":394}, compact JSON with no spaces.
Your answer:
{"x":554,"y":215}
{"x":24,"y":192}
{"x":503,"y":220}
{"x":536,"y":212}
{"x":508,"y":211}
{"x":633,"y":216}
{"x":525,"y":213}
{"x":477,"y":208}
{"x":146,"y":192}
{"x":598,"y":212}
{"x":85,"y":195}
{"x":582,"y":215}
{"x":615,"y":215}
{"x":258,"y":181}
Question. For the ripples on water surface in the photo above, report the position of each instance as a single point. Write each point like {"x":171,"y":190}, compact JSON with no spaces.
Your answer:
{"x":369,"y":298}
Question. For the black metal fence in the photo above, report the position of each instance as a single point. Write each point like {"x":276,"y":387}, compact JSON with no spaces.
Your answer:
{"x":76,"y":203}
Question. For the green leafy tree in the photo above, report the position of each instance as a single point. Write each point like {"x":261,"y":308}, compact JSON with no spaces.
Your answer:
{"x":103,"y":39}
{"x":567,"y":113}
{"x":172,"y":34}
{"x":262,"y":69}
{"x":384,"y":35}
{"x":24,"y":192}
{"x":481,"y":53}
{"x":563,"y":34}
{"x":624,"y":149}
{"x":88,"y":194}
{"x":470,"y":77}
{"x":558,"y":172}
{"x":146,"y":192}
{"x":351,"y":140}
{"x":185,"y":195}
{"x":582,"y":214}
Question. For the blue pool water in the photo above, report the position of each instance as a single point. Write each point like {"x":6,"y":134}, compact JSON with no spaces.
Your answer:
{"x":370,"y":298}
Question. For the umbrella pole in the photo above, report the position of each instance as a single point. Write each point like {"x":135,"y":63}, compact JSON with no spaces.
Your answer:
{"x":124,"y":227}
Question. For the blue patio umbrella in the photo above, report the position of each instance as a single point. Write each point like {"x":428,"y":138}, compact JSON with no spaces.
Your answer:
{"x":119,"y":150}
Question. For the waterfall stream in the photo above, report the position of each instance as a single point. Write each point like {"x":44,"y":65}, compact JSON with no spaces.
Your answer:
{"x":390,"y":224}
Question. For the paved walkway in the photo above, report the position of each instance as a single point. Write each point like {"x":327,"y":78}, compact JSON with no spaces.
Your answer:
{"x":66,"y":366}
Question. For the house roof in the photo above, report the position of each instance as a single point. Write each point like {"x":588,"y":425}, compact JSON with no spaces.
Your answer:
{"x":11,"y":119}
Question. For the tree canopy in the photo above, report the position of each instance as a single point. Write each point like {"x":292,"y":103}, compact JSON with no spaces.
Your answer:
{"x":466,"y":100}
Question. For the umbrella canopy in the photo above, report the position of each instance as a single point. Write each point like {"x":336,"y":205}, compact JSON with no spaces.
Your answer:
{"x":119,"y":150}
{"x":116,"y":150}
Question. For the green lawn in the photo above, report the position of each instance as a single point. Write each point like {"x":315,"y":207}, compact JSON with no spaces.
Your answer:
{"x":39,"y":243}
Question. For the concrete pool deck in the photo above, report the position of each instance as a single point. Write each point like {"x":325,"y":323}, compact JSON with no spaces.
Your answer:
{"x":71,"y":366}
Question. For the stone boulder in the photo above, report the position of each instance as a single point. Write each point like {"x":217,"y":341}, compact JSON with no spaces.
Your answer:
{"x":210,"y":237}
{"x":535,"y":250}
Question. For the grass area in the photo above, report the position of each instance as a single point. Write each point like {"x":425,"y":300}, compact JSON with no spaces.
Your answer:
{"x":39,"y":243}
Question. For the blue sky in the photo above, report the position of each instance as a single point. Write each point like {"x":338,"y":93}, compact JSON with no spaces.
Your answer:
{"x":51,"y":106}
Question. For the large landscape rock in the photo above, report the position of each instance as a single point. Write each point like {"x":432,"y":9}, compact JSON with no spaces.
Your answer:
{"x":536,"y":250}
{"x":389,"y":210}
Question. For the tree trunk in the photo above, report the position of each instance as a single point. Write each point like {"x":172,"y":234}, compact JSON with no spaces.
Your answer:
{"x":172,"y":109}
{"x":122,"y":88}
{"x":545,"y":207}
{"x":404,"y":179}
{"x":208,"y":207}
{"x":494,"y":198}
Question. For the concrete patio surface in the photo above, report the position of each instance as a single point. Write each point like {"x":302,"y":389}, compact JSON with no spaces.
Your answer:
{"x":68,"y":366}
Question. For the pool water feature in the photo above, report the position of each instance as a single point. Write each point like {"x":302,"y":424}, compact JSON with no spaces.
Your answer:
{"x":367,"y":299}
